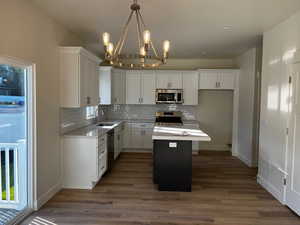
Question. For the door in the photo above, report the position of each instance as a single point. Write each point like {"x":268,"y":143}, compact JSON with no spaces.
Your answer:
{"x":208,"y":80}
{"x":133,"y":87}
{"x":148,"y":86}
{"x":16,"y":118}
{"x":227,"y":80}
{"x":293,"y":165}
{"x":190,"y":88}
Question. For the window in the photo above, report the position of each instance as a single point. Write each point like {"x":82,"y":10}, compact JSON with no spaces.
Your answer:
{"x":91,"y":112}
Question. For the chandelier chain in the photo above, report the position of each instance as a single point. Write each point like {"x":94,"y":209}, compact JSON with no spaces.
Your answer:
{"x":138,"y":30}
{"x":124,"y":33}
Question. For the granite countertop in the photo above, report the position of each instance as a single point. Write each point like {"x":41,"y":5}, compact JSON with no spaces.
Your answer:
{"x":178,"y":133}
{"x":96,"y":131}
{"x":92,"y":130}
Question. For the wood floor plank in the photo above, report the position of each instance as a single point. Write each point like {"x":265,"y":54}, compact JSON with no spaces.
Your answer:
{"x":225,"y":192}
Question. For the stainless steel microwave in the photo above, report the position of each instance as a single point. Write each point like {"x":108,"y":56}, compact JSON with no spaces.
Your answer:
{"x":169,"y":96}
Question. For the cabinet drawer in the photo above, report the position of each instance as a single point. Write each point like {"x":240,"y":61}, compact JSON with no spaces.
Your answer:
{"x":102,"y":166}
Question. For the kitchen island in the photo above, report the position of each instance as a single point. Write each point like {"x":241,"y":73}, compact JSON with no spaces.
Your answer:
{"x":172,"y":156}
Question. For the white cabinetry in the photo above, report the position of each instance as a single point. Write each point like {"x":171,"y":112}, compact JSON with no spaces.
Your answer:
{"x":79,"y":83}
{"x":118,"y":86}
{"x":140,"y":87}
{"x":84,"y":161}
{"x":112,"y":86}
{"x":105,"y":87}
{"x":118,"y":140}
{"x":217,"y":79}
{"x":168,"y":79}
{"x":138,"y":136}
{"x":190,"y":87}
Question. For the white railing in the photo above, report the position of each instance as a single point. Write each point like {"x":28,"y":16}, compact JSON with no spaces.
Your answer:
{"x":9,"y":181}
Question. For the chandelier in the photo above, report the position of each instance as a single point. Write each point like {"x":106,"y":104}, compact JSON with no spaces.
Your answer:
{"x":147,"y":57}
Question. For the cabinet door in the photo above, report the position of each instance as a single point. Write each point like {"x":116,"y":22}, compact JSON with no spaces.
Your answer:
{"x":93,"y":83}
{"x":162,"y":80}
{"x":118,"y":89}
{"x":84,"y":80}
{"x":147,"y":136}
{"x":105,"y":87}
{"x":208,"y":80}
{"x":190,"y":88}
{"x":117,"y":140}
{"x":136,"y":136}
{"x":127,"y":136}
{"x":175,"y":79}
{"x":133,"y":87}
{"x":148,"y":86}
{"x":227,"y":80}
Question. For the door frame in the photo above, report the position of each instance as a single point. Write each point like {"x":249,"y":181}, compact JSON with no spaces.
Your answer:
{"x":294,"y":76}
{"x":31,"y":131}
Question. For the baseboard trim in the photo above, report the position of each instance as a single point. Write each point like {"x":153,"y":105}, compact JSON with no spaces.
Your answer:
{"x":245,"y":160}
{"x":270,"y":188}
{"x":138,"y":150}
{"x":215,"y":147}
{"x":47,"y":196}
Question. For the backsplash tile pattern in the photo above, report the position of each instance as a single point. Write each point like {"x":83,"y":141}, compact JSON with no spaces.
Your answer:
{"x":74,"y":118}
{"x":145,"y":112}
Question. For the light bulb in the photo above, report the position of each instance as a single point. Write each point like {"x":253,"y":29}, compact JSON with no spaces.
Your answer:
{"x":110,"y":48}
{"x":166,"y":46}
{"x":147,"y":36}
{"x":106,"y":38}
{"x":142,"y":51}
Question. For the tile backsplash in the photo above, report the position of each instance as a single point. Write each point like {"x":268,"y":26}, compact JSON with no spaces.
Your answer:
{"x":74,"y":118}
{"x":144,"y":112}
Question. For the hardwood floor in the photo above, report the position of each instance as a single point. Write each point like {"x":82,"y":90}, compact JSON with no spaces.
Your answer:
{"x":225,"y":192}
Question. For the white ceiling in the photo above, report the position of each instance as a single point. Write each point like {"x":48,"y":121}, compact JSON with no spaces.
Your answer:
{"x":194,"y":27}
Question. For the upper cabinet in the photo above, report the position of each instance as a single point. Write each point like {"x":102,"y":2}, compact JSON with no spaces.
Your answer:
{"x":112,"y":86}
{"x":79,"y":81}
{"x":105,"y":87}
{"x":140,"y":87}
{"x":217,"y":79}
{"x":167,"y":79}
{"x":190,"y":87}
{"x":118,"y":86}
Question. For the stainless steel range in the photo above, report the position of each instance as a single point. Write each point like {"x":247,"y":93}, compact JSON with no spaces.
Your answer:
{"x":170,"y":117}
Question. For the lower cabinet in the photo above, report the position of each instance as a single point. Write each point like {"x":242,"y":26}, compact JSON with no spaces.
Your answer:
{"x":84,"y":161}
{"x":138,"y":136}
{"x":118,"y":140}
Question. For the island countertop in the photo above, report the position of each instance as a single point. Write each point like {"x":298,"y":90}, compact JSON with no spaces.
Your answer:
{"x":178,"y":133}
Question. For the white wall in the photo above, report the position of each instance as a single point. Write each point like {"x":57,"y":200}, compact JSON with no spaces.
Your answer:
{"x":247,"y":119}
{"x":28,"y":33}
{"x":215,"y":115}
{"x":279,"y":45}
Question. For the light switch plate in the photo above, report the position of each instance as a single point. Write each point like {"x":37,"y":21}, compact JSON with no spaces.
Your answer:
{"x":172,"y":145}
